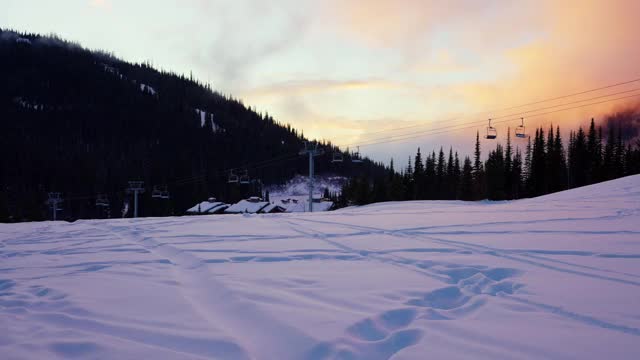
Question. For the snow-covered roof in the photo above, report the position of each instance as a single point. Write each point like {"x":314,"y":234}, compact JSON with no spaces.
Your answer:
{"x":273,"y":208}
{"x":245,"y":206}
{"x":206,"y":207}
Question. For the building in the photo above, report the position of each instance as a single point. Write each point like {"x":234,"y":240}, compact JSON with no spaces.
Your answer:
{"x":211,"y":206}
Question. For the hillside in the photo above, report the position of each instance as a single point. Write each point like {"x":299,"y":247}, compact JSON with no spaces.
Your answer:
{"x":550,"y":277}
{"x":84,"y":123}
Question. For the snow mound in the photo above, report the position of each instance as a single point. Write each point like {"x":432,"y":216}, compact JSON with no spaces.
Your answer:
{"x":556,"y":277}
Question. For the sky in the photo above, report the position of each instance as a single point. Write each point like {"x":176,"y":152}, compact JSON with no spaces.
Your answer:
{"x":388,"y":75}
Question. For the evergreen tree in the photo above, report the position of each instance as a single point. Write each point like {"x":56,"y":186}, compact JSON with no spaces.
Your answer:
{"x":559,"y":164}
{"x":441,"y":176}
{"x":593,"y":154}
{"x":516,"y":175}
{"x":467,"y":181}
{"x":579,"y":160}
{"x":430,"y":177}
{"x":508,"y":174}
{"x":609,"y":159}
{"x":450,"y":182}
{"x":495,"y":174}
{"x":527,"y":169}
{"x":457,"y":173}
{"x":478,"y":171}
{"x":418,"y":177}
{"x":537,"y":181}
{"x":619,"y":155}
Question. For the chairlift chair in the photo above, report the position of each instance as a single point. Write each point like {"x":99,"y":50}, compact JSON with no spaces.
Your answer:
{"x":492,"y":133}
{"x":233,"y":178}
{"x":356,"y":156}
{"x":244,"y":179}
{"x":156,"y":193}
{"x":337,"y":157}
{"x":102,"y":201}
{"x":164,"y":194}
{"x":520,"y":130}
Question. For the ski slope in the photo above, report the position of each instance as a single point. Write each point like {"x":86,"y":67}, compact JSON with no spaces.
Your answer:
{"x":556,"y":277}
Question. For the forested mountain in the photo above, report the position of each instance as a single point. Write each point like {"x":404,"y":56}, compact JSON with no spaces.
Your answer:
{"x":84,"y":123}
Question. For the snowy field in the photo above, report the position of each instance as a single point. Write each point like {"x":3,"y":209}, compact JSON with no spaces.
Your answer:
{"x":557,"y":277}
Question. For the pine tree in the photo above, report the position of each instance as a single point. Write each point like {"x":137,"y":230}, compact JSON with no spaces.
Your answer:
{"x":456,"y":176}
{"x":494,"y":172}
{"x":527,"y":169}
{"x":508,"y":174}
{"x":559,"y":163}
{"x":609,"y":159}
{"x":516,"y":175}
{"x":478,"y":171}
{"x":579,"y":160}
{"x":430,"y":177}
{"x":619,"y":155}
{"x":418,"y":177}
{"x":450,"y":182}
{"x":441,"y":176}
{"x":593,"y":165}
{"x":467,"y":181}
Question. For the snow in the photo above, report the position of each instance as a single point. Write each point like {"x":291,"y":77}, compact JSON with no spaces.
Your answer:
{"x":246,"y":206}
{"x":299,"y":186}
{"x":301,"y":203}
{"x":22,"y":40}
{"x":147,"y":88}
{"x":114,"y":71}
{"x":203,"y":119}
{"x":294,"y":195}
{"x":207,"y":207}
{"x":27,"y":104}
{"x":272,"y":208}
{"x":556,"y":277}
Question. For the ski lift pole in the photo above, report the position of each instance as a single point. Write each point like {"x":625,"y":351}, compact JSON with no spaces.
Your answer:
{"x":311,"y":181}
{"x":135,"y":187}
{"x":312,"y":151}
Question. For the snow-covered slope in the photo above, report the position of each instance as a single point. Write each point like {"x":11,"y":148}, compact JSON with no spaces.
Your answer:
{"x":557,"y":277}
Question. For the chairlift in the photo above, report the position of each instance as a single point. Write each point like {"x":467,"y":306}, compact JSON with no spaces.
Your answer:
{"x":244,"y":179}
{"x":492,"y":133}
{"x":156,"y":193}
{"x":164,"y":194}
{"x":233,"y":178}
{"x":102,"y":201}
{"x":355,"y":157}
{"x":337,"y":157}
{"x":520,"y":130}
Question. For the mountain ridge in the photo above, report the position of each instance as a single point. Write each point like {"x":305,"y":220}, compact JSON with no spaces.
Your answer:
{"x":83,"y":122}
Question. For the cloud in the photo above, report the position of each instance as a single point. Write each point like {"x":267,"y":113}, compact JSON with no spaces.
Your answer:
{"x":311,"y":86}
{"x":240,"y":36}
{"x":102,"y":4}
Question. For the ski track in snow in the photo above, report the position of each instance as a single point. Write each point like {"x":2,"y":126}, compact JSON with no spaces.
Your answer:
{"x":552,"y":277}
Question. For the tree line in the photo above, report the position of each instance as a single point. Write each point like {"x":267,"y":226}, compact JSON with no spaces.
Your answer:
{"x":545,"y":165}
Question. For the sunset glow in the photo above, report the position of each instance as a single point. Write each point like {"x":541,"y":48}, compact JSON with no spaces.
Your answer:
{"x":341,"y":70}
